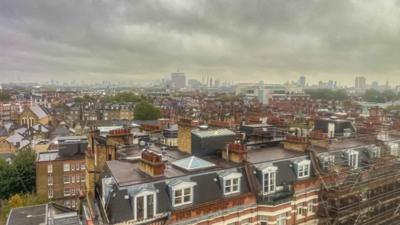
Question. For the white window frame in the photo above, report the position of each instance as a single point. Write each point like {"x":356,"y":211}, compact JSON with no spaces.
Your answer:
{"x":68,"y":180}
{"x":66,"y":167}
{"x":50,"y":193}
{"x":303,"y":169}
{"x":182,"y":186}
{"x":69,"y":192}
{"x":49,"y":168}
{"x":352,"y":158}
{"x":50,"y":180}
{"x":144,"y":194}
{"x":230,"y":178}
{"x":271,"y":171}
{"x":281,"y":219}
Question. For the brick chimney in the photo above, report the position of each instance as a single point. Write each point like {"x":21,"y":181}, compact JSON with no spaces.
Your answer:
{"x":295,"y":143}
{"x":151,"y":164}
{"x":122,"y":136}
{"x":235,"y":152}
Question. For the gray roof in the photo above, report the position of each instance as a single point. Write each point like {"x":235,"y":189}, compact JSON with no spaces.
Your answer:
{"x":47,"y":214}
{"x":38,"y":111}
{"x":213,"y":133}
{"x":32,"y":215}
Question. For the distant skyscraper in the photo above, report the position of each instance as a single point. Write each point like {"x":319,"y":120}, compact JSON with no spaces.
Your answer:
{"x":375,"y":85}
{"x":178,"y":80}
{"x":302,"y":81}
{"x":360,"y":83}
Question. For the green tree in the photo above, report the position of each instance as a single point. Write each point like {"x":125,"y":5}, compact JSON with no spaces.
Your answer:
{"x":84,"y":99}
{"x":18,"y":177}
{"x":146,"y":111}
{"x":122,"y":97}
{"x":4,"y":96}
{"x":372,"y":95}
{"x":328,"y":94}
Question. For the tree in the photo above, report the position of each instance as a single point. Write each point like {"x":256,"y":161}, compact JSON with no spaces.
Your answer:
{"x":84,"y":99}
{"x":18,"y":177}
{"x":123,"y":97}
{"x":4,"y":96}
{"x":328,"y":94}
{"x":146,"y":111}
{"x":372,"y":95}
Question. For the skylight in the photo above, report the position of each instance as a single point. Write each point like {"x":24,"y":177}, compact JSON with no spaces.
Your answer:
{"x":193,"y":163}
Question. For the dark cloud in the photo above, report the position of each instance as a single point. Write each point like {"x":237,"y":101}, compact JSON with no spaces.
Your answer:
{"x":272,"y":40}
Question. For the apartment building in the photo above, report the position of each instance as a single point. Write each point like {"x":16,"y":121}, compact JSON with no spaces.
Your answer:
{"x":61,"y":172}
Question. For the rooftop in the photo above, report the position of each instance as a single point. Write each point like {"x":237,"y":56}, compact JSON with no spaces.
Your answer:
{"x":213,"y":133}
{"x":32,"y":215}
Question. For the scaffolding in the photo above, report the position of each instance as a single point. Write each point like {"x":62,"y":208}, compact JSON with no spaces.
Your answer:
{"x":367,"y":195}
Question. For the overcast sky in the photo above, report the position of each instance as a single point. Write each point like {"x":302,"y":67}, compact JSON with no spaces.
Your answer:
{"x":270,"y":40}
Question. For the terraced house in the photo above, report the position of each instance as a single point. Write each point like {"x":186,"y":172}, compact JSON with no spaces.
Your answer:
{"x":340,"y":179}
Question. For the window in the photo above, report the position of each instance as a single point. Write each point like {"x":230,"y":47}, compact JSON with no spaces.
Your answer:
{"x":281,"y":219}
{"x":145,"y":206}
{"x":66,"y":167}
{"x":78,"y":178}
{"x":181,"y":192}
{"x":72,"y":191}
{"x":301,"y":209}
{"x":246,"y":221}
{"x":263,"y":219}
{"x":352,"y":158}
{"x":50,"y":180}
{"x":183,"y":196}
{"x":83,"y":166}
{"x":49,"y":168}
{"x":231,"y":182}
{"x":269,"y":179}
{"x":72,"y":165}
{"x":83,"y":179}
{"x":303,"y":168}
{"x":231,"y":186}
{"x":67,"y":192}
{"x":50,"y":193}
{"x":66,"y":179}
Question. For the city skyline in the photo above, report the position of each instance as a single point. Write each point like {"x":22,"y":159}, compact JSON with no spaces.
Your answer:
{"x":144,"y":41}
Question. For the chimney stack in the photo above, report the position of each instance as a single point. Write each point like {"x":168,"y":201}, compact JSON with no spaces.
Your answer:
{"x":151,"y":164}
{"x":235,"y":152}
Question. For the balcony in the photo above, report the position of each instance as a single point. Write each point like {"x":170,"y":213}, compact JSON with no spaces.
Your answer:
{"x":277,"y":198}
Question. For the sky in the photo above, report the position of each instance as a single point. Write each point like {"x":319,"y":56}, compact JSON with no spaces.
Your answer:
{"x":243,"y":41}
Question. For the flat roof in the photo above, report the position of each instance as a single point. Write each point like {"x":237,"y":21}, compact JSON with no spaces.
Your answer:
{"x":274,"y":153}
{"x":32,"y":215}
{"x":126,"y":172}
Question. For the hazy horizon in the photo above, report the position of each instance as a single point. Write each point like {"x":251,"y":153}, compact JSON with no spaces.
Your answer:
{"x":245,"y":41}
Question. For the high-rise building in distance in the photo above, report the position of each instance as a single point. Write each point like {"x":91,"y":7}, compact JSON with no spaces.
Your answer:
{"x":178,"y":80}
{"x":360,"y":83}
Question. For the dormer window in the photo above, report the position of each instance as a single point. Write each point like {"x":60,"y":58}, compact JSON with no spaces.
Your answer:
{"x":269,"y":179}
{"x":145,"y":205}
{"x":352,"y":158}
{"x":231,"y":183}
{"x":182,"y":193}
{"x":302,"y":168}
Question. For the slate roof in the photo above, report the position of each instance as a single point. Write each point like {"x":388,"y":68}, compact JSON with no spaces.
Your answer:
{"x":38,"y":111}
